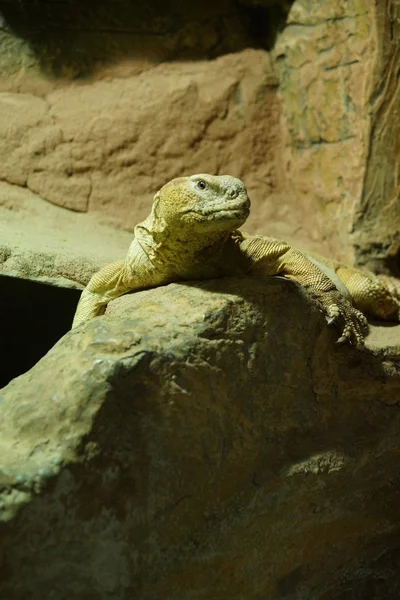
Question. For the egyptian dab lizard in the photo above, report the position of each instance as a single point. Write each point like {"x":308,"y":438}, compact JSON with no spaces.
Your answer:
{"x":192,"y":233}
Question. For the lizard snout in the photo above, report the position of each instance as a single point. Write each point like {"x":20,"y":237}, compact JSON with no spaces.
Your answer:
{"x":235,"y":188}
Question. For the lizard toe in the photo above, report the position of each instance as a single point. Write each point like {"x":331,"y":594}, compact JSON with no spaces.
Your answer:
{"x":350,"y":321}
{"x":356,"y":327}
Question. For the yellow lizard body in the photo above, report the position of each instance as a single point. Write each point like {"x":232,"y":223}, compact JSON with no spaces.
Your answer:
{"x":192,"y":233}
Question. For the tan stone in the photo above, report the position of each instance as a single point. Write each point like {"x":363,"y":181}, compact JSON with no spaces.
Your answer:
{"x":40,"y":241}
{"x":324,"y":57}
{"x":107,"y":146}
{"x":337,"y":64}
{"x":202,"y":440}
{"x":377,"y":219}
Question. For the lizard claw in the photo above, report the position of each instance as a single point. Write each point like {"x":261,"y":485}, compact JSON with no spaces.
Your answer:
{"x":351,"y":337}
{"x":339,"y":311}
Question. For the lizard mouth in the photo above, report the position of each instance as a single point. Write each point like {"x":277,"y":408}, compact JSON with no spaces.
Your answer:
{"x":232,"y":210}
{"x":226,"y":211}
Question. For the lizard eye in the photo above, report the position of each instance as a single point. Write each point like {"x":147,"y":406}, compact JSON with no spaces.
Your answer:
{"x":201,"y":184}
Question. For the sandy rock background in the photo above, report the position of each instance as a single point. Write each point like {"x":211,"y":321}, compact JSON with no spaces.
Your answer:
{"x":100,"y":106}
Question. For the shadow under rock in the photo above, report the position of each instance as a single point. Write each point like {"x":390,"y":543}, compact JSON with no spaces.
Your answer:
{"x":71,"y":38}
{"x":34,"y":317}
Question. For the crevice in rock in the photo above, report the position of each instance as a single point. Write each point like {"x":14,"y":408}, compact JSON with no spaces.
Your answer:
{"x":263,"y":20}
{"x":34,"y":316}
{"x":379,"y":257}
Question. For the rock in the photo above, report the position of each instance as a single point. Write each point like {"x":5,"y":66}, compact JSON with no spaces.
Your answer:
{"x":338,"y":83}
{"x":324,"y":59}
{"x":45,"y":243}
{"x":108,"y":146}
{"x":202,"y":440}
{"x":376,"y":223}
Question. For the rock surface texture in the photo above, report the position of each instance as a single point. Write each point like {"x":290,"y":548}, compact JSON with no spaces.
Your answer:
{"x":337,"y":64}
{"x":202,"y":441}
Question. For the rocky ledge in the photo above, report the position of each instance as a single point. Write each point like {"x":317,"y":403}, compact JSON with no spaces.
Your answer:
{"x":202,"y":441}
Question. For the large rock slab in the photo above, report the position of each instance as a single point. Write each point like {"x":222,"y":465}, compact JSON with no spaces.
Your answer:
{"x":202,"y":440}
{"x":42,"y":242}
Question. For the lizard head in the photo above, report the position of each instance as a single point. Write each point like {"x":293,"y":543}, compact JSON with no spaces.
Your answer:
{"x":202,"y":204}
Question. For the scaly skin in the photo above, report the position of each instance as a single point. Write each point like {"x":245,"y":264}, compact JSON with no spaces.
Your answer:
{"x":192,"y":233}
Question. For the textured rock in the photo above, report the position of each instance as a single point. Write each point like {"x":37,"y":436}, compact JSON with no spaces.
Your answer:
{"x":44,"y":243}
{"x":324,"y":58}
{"x":105,"y":143}
{"x":377,"y":223}
{"x":107,"y":146}
{"x":338,"y":64}
{"x":202,"y":441}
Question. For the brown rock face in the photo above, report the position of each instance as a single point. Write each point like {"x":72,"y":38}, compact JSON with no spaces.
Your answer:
{"x":377,"y":223}
{"x":107,"y":146}
{"x":324,"y":57}
{"x":122,"y":140}
{"x":100,"y":107}
{"x":201,"y":441}
{"x":338,"y":65}
{"x":105,"y":143}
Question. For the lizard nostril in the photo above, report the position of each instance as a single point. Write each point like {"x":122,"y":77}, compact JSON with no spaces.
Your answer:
{"x":232,"y":193}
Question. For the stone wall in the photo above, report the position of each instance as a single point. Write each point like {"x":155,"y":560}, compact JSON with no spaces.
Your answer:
{"x":99,"y":106}
{"x":377,"y":222}
{"x":324,"y":58}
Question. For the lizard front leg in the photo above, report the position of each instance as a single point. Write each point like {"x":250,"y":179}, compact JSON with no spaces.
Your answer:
{"x":105,"y":285}
{"x":273,"y":257}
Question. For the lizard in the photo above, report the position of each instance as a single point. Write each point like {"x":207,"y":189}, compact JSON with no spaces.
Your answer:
{"x":192,"y":234}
